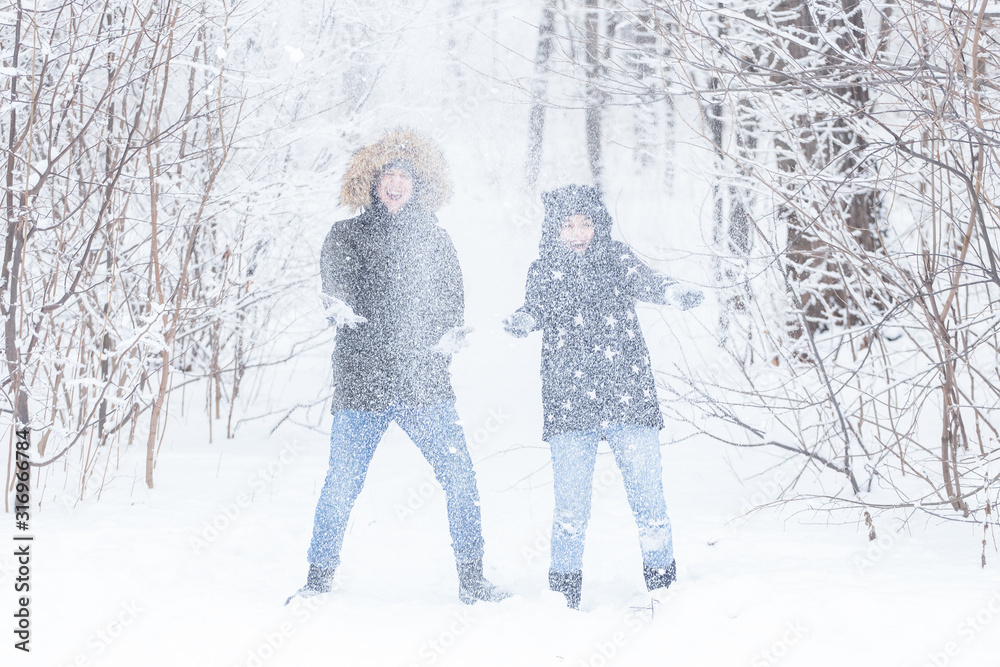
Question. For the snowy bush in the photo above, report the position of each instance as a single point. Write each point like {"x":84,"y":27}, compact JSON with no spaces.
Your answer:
{"x":856,"y":235}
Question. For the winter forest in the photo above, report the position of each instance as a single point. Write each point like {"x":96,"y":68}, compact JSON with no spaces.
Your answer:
{"x":826,"y":173}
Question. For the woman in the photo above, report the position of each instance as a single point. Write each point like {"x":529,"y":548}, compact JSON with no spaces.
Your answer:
{"x":597,"y":383}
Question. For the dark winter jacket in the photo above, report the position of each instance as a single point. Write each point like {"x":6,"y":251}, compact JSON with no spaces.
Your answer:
{"x":401,"y":273}
{"x":595,"y":364}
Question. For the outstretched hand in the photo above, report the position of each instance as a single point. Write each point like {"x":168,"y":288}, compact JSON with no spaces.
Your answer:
{"x":519,"y":325}
{"x":684,"y":298}
{"x":339,"y":314}
{"x":453,"y":340}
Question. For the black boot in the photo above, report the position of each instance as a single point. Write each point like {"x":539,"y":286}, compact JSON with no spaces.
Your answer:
{"x":318,"y":581}
{"x":473,"y":586}
{"x":567,"y":584}
{"x":659,"y":577}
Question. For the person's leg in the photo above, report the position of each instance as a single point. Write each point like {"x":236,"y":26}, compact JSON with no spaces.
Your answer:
{"x":637,"y":451}
{"x":353,"y":438}
{"x":435,"y":430}
{"x":573,"y":457}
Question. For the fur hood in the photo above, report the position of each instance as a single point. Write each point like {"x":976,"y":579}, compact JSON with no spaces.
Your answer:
{"x":431,"y":187}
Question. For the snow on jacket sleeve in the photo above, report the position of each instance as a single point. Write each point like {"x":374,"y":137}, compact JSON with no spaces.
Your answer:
{"x":535,"y":295}
{"x":451,"y":297}
{"x":338,"y":266}
{"x":639,"y":280}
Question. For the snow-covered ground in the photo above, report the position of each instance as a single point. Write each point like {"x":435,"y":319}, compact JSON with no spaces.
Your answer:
{"x":196,"y":571}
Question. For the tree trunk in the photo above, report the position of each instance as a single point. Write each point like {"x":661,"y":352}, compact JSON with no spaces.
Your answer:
{"x":730,"y":202}
{"x":536,"y":122}
{"x":820,"y":143}
{"x":594,"y":101}
{"x":14,"y":249}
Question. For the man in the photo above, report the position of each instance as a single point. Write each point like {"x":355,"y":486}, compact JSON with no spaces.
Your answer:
{"x":394,"y":291}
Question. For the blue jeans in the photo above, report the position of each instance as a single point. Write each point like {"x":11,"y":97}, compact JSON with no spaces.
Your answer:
{"x":435,"y":430}
{"x":637,"y":452}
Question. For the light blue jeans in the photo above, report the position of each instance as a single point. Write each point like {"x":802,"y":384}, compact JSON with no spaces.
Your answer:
{"x":435,"y":430}
{"x":637,"y":452}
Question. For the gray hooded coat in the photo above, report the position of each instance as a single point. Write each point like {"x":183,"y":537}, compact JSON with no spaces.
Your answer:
{"x":595,"y":365}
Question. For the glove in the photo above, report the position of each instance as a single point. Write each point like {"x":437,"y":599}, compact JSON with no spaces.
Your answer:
{"x":683,"y":297}
{"x":339,"y":314}
{"x":453,"y":340}
{"x":520,"y":324}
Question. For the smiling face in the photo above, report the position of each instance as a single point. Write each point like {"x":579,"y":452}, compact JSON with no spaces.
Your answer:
{"x":576,"y":232}
{"x":395,"y":187}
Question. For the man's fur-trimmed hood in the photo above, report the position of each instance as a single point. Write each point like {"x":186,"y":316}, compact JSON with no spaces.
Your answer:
{"x":431,"y":187}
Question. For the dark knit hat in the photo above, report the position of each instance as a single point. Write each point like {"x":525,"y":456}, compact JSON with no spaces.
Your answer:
{"x":403,"y":165}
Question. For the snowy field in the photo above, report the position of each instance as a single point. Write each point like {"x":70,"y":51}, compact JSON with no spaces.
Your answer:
{"x":196,"y":571}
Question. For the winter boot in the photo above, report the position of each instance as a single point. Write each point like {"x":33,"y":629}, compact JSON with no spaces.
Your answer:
{"x":567,"y":584}
{"x":473,"y":586}
{"x":318,"y":581}
{"x":659,"y":577}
